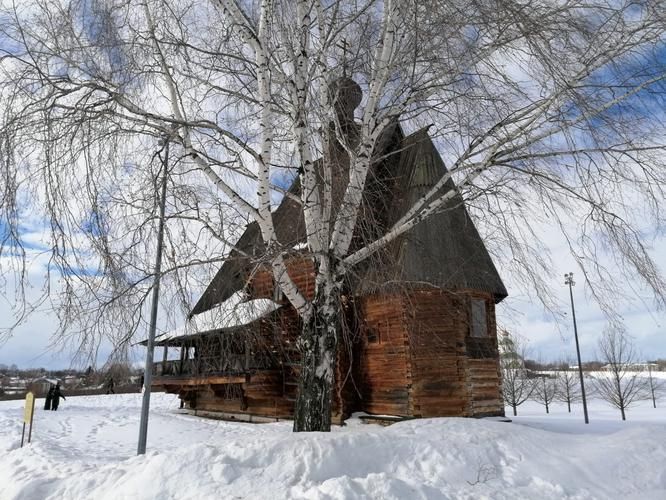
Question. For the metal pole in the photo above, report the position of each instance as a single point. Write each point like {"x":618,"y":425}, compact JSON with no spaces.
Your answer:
{"x":148,"y":371}
{"x":654,"y":401}
{"x":569,"y":281}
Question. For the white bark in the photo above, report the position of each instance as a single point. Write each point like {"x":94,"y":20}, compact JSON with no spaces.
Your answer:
{"x":312,"y":202}
{"x":180,"y":116}
{"x":260,"y":44}
{"x":360,"y":163}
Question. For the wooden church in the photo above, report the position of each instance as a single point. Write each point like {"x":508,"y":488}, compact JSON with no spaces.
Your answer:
{"x":419,"y":340}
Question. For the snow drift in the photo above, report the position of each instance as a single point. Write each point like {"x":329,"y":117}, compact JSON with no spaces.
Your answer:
{"x":86,"y":451}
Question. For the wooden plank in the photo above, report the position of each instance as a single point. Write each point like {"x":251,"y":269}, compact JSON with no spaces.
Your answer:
{"x":204,"y":380}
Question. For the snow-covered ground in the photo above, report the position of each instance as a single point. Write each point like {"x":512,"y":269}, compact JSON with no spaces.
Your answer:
{"x":86,"y":450}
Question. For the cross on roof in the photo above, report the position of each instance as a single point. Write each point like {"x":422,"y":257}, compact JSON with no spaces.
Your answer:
{"x":343,"y":45}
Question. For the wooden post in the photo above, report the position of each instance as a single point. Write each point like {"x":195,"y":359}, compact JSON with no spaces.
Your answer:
{"x":32,"y":414}
{"x":28,"y":414}
{"x":164,"y":359}
{"x":187,"y":366}
{"x":247,"y":354}
{"x":182,"y":357}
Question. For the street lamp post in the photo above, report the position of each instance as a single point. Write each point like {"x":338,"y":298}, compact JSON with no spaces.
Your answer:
{"x":148,"y":372}
{"x":568,"y":280}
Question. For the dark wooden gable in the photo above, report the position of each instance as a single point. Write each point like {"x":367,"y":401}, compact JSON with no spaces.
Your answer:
{"x":444,"y":251}
{"x":232,"y":276}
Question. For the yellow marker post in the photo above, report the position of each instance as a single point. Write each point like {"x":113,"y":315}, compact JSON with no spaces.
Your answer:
{"x":28,"y":414}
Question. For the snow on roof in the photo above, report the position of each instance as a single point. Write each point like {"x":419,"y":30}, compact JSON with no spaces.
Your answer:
{"x":50,"y":380}
{"x":233,"y":313}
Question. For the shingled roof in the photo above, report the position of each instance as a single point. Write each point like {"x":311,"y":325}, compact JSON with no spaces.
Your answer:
{"x":232,"y":276}
{"x":444,"y":251}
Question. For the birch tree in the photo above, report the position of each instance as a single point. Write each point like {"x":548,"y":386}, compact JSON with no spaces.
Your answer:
{"x":543,"y":112}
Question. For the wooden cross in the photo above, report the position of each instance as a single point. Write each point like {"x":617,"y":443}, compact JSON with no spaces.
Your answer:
{"x":343,"y":45}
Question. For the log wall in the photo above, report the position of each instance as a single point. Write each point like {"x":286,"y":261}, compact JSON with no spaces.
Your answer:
{"x":453,"y":374}
{"x":268,"y":393}
{"x":437,"y":327}
{"x":413,"y":356}
{"x":262,"y":394}
{"x":484,"y":376}
{"x":383,"y":372}
{"x":301,"y":271}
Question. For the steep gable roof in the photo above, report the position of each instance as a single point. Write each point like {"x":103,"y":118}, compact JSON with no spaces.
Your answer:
{"x":232,"y":276}
{"x":444,"y":251}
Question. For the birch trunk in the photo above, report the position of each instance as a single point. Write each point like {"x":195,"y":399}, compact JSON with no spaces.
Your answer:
{"x":318,"y":347}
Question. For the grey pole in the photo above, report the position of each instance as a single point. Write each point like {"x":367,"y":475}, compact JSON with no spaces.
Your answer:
{"x":148,"y":371}
{"x":568,"y":280}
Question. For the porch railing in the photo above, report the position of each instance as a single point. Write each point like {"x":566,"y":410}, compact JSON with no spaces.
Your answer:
{"x":208,"y":365}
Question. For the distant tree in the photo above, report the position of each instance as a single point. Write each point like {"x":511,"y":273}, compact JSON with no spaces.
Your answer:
{"x":517,"y":387}
{"x":533,"y":365}
{"x":120,"y":372}
{"x":620,"y":384}
{"x":562,"y":365}
{"x":592,"y":366}
{"x":568,"y":387}
{"x":545,"y":391}
{"x":541,"y":366}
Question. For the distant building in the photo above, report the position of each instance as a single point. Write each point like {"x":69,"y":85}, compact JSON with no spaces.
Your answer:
{"x":40,"y":386}
{"x":635,"y":367}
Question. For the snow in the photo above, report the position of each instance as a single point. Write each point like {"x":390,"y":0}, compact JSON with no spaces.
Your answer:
{"x":86,"y":450}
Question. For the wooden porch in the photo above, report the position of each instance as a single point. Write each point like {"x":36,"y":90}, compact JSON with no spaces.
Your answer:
{"x":200,"y":380}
